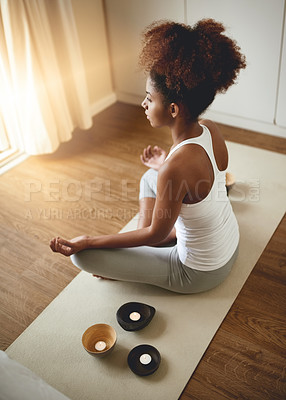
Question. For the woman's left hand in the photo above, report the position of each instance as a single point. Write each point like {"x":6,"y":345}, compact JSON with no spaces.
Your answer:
{"x":68,"y":247}
{"x":153,"y":158}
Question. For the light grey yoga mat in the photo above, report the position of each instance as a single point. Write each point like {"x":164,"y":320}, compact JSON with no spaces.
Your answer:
{"x":183,"y":325}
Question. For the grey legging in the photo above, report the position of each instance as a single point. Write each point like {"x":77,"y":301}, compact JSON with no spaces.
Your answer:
{"x":158,"y":266}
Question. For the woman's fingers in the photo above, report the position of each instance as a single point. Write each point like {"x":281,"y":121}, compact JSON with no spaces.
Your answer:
{"x":146,"y":153}
{"x":149,"y":151}
{"x":143,"y":160}
{"x":62,"y":246}
{"x":149,"y":155}
{"x":58,"y":245}
{"x":64,"y":242}
{"x":158,"y":150}
{"x":52,"y":244}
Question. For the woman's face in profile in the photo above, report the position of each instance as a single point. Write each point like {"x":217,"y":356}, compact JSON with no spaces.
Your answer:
{"x":156,"y":111}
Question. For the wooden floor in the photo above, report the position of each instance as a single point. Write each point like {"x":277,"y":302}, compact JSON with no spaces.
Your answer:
{"x":90,"y":185}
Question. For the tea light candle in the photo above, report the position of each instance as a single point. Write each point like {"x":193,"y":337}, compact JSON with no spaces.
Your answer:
{"x":135,"y":316}
{"x":145,"y":359}
{"x":100,"y":345}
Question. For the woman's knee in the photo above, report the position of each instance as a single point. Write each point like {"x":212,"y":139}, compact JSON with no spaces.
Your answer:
{"x":82,"y":261}
{"x":75,"y":260}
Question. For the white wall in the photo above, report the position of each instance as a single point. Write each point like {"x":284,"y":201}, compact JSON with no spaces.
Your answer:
{"x":90,"y":21}
{"x":126,"y":19}
{"x":281,"y":101}
{"x":257,"y":25}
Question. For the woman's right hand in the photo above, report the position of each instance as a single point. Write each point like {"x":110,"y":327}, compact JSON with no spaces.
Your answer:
{"x":153,"y":158}
{"x":68,"y":247}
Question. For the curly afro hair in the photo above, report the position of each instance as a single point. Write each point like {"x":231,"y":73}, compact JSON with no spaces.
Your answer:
{"x":189,"y":65}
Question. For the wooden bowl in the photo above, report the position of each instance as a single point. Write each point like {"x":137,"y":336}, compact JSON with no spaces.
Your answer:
{"x":144,"y":360}
{"x":99,"y":339}
{"x":143,"y":314}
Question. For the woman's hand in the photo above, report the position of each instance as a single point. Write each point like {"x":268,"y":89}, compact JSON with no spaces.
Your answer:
{"x":68,"y":247}
{"x":153,"y":158}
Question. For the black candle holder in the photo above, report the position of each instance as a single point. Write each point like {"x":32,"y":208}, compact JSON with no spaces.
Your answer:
{"x":123,"y":316}
{"x":137,"y":366}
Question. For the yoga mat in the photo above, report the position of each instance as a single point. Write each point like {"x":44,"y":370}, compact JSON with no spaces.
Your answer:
{"x":183,"y":325}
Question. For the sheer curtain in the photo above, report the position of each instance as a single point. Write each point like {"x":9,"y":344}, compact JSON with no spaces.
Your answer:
{"x":43,"y":90}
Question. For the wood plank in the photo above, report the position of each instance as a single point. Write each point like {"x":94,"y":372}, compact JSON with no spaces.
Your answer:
{"x":257,"y":322}
{"x":234,"y":368}
{"x":90,"y":185}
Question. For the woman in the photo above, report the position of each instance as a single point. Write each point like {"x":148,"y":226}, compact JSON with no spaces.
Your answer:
{"x":182,"y":196}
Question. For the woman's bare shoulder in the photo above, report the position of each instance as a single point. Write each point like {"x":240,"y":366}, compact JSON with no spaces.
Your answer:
{"x":219,"y":146}
{"x":213,"y":127}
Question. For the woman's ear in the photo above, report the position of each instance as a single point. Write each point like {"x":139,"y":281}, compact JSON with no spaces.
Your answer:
{"x":174,"y":109}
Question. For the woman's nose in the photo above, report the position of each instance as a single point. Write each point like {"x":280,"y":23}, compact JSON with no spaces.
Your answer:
{"x":144,"y":104}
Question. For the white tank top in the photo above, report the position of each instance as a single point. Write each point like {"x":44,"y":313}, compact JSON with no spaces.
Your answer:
{"x":207,"y":231}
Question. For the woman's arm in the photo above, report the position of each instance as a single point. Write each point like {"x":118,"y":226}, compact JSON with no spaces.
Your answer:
{"x":170,"y":240}
{"x":166,"y":210}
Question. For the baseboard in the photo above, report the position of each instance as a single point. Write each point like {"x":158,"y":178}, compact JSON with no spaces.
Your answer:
{"x":13,"y":162}
{"x":129,"y":98}
{"x":226,"y":119}
{"x":245,"y":123}
{"x":102,"y":104}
